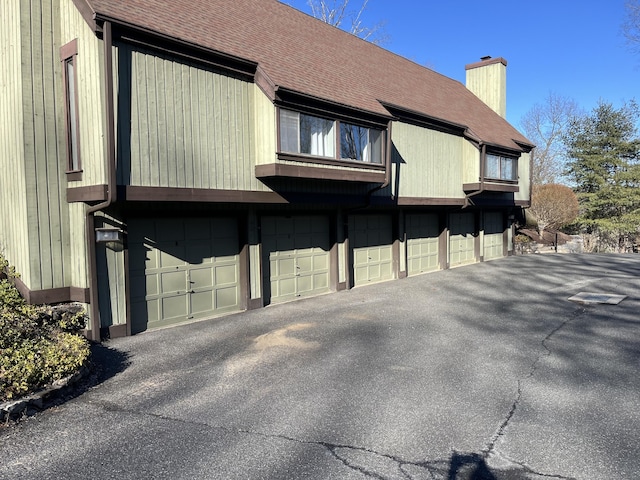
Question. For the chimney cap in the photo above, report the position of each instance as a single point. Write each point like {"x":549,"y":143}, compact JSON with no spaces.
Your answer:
{"x":484,"y":61}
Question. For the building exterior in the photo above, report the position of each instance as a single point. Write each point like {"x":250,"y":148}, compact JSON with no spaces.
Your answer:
{"x":164,"y":161}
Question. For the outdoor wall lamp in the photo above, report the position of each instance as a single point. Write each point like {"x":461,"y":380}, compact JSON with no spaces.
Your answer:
{"x":112,"y":238}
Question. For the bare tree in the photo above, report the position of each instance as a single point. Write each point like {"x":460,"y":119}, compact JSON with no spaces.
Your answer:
{"x":553,"y":206}
{"x":338,"y":14}
{"x":631,"y":25}
{"x":545,"y":125}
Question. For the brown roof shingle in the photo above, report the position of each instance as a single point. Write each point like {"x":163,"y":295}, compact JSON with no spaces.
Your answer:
{"x":303,"y":54}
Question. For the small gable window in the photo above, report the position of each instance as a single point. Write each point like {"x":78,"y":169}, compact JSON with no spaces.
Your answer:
{"x":305,"y":134}
{"x":498,"y":167}
{"x":68,"y":56}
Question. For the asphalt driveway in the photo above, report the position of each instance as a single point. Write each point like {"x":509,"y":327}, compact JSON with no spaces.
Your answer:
{"x":480,"y":372}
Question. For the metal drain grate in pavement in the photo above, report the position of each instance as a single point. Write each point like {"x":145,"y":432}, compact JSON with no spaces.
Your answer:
{"x":609,"y":299}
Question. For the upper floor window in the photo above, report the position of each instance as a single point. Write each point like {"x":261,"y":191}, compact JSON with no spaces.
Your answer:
{"x":68,"y":55}
{"x":498,"y":167}
{"x":305,"y":134}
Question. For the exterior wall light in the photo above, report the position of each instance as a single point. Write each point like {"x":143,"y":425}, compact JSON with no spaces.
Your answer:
{"x":112,"y":238}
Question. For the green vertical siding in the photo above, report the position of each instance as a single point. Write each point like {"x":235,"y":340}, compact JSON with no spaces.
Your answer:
{"x":36,"y":206}
{"x":524,"y":178}
{"x":429,"y":163}
{"x":89,"y":70}
{"x":13,"y":207}
{"x":187,"y":126}
{"x":110,"y":270}
{"x":471,"y":163}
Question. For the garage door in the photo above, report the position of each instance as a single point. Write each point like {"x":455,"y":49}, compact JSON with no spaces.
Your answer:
{"x":493,"y":235}
{"x":371,"y":243}
{"x":422,"y":243}
{"x":296,"y":256}
{"x":461,"y":239}
{"x":182,"y":269}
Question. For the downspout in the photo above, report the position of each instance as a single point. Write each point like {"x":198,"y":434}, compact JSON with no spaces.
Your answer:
{"x":110,"y":159}
{"x":483,"y":154}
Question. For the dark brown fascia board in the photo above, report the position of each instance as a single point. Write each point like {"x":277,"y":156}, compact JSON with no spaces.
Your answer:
{"x":317,"y":173}
{"x":175,"y":194}
{"x":308,"y":103}
{"x":426,"y":201}
{"x":167,"y":44}
{"x":485,"y":62}
{"x":526,"y":147}
{"x":92,"y":193}
{"x":293,"y":157}
{"x":52,"y":295}
{"x":490,"y":187}
{"x":502,"y":150}
{"x":422,"y":120}
{"x":265,"y":83}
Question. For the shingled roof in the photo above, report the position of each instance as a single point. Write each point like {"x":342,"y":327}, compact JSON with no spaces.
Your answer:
{"x":302,"y":54}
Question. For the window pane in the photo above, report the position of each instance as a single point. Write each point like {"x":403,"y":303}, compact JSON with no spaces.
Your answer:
{"x":74,"y":162}
{"x":289,"y":135}
{"x":353,"y":142}
{"x":492,"y":166}
{"x":508,"y":168}
{"x":316,"y":136}
{"x":375,"y":141}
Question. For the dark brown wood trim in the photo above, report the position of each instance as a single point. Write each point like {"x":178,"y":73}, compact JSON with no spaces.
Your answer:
{"x":490,"y":187}
{"x":402,"y":275}
{"x":127,"y":290}
{"x":443,"y":244}
{"x":317,"y":173}
{"x":52,"y":295}
{"x":292,"y":157}
{"x":421,"y":120}
{"x":409,"y":201}
{"x":341,"y":286}
{"x":265,"y":84}
{"x":523,"y":203}
{"x":68,"y":55}
{"x":75,"y":176}
{"x":175,"y":194}
{"x":505,"y":241}
{"x":118,"y":331}
{"x":314,"y":105}
{"x":169,"y":45}
{"x":92,"y":193}
{"x":68,"y":50}
{"x":255,"y":303}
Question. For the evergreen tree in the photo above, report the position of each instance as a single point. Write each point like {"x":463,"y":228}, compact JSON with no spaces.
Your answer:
{"x":604,"y":164}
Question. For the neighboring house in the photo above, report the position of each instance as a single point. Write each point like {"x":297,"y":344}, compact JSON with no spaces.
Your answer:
{"x":164,"y":161}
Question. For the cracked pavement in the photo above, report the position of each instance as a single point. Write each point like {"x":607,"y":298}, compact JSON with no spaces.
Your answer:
{"x":480,"y":372}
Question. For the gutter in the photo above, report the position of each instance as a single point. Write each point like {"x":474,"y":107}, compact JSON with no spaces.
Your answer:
{"x":483,"y":154}
{"x":110,"y":158}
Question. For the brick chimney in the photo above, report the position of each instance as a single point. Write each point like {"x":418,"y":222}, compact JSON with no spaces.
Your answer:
{"x":487,"y":79}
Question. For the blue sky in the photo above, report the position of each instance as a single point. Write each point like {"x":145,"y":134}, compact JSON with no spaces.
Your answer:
{"x":572,"y":48}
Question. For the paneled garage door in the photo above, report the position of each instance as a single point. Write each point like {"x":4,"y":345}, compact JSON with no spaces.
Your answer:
{"x":182,"y":269}
{"x":296,"y":256}
{"x":422,"y":243}
{"x":493,"y":235}
{"x":371,"y":241}
{"x":461,"y":239}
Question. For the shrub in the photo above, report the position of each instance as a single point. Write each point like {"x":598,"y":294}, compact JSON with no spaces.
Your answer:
{"x":38,"y":344}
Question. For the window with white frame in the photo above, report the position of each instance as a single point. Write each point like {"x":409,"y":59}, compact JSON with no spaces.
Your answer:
{"x":305,"y":134}
{"x":499,"y":167}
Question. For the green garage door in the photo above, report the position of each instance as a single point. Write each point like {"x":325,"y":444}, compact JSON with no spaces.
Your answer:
{"x":493,"y":235}
{"x":422,"y":243}
{"x":296,"y":256}
{"x":461,"y":239}
{"x":182,"y":269}
{"x":371,"y":241}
